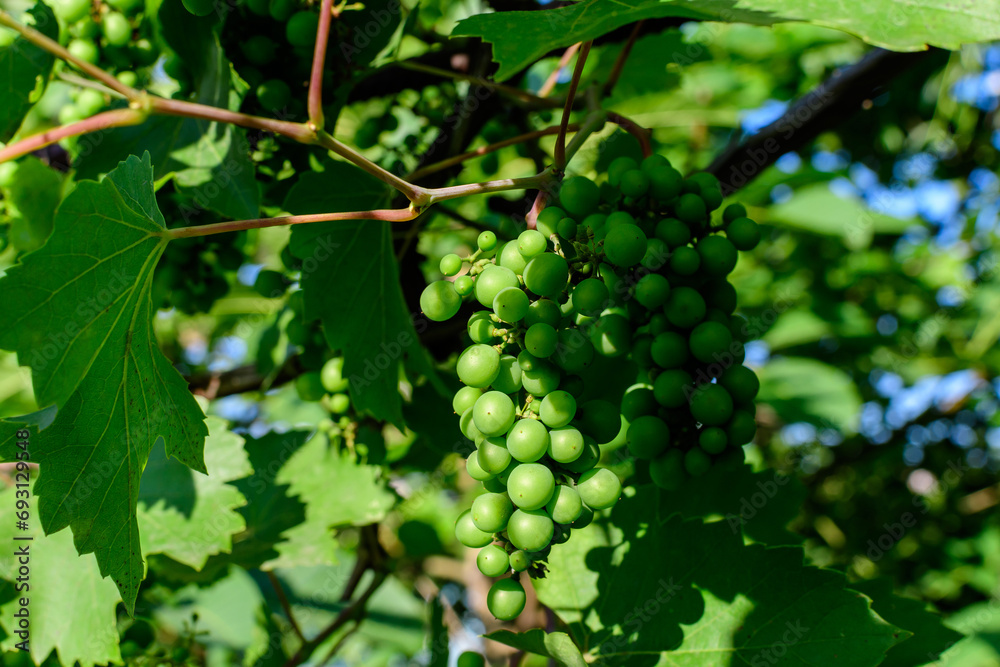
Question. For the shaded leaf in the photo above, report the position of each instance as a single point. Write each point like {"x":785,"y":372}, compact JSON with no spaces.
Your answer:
{"x":555,"y":645}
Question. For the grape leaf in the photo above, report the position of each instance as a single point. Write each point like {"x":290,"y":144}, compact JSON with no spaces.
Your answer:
{"x":24,"y":71}
{"x":696,"y":609}
{"x":365,"y":318}
{"x":930,"y":636}
{"x":72,"y":609}
{"x":909,"y":27}
{"x":555,"y":645}
{"x":802,"y":389}
{"x":80,"y":316}
{"x":189,"y":516}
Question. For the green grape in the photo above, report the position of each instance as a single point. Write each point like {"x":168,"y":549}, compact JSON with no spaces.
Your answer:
{"x":664,"y":183}
{"x":332,"y":376}
{"x":340,"y":403}
{"x":648,"y":437}
{"x":71,"y":11}
{"x":558,"y":409}
{"x":685,"y":307}
{"x":519,"y":561}
{"x":709,"y":189}
{"x":709,"y":341}
{"x":491,"y":281}
{"x":451,"y":265}
{"x":491,"y":511}
{"x":467,"y":424}
{"x":526,"y":361}
{"x":734,"y":211}
{"x":565,"y":444}
{"x":481,"y":328}
{"x":530,"y":243}
{"x":573,"y":384}
{"x":510,"y":257}
{"x":464,"y":285}
{"x":685,"y":261}
{"x":618,"y":167}
{"x":595,"y":221}
{"x":506,"y":599}
{"x":589,"y":297}
{"x":667,"y":471}
{"x":741,"y":383}
{"x":543,"y":311}
{"x":493,"y":455}
{"x":84,"y":49}
{"x":492,"y":561}
{"x":528,"y":440}
{"x":439,"y":301}
{"x":721,"y":295}
{"x":690,"y":208}
{"x":697,"y":462}
{"x":579,"y":196}
{"x":565,"y":506}
{"x":85,"y":28}
{"x":530,"y":530}
{"x":741,"y":428}
{"x":567,"y":228}
{"x":89,"y":102}
{"x":282,"y":10}
{"x":511,"y":304}
{"x":599,"y":418}
{"x":712,"y":440}
{"x":117,"y":30}
{"x":508,"y":380}
{"x":540,"y":340}
{"x":618,"y":218}
{"x":670,"y":388}
{"x":259,"y":50}
{"x":548,"y":219}
{"x":487,"y":241}
{"x":273,"y":94}
{"x":669,"y":350}
{"x":199,"y":7}
{"x":673,"y":232}
{"x":530,"y":486}
{"x":625,"y":245}
{"x":478,"y":366}
{"x":468,"y":534}
{"x":470,"y":659}
{"x":711,"y":405}
{"x":718,"y":255}
{"x":574,"y":353}
{"x":743,"y":232}
{"x":634,"y":184}
{"x":589,"y":458}
{"x":475,"y":470}
{"x":143,"y":53}
{"x":546,"y":274}
{"x":652,"y":162}
{"x":599,"y":488}
{"x":642,"y":351}
{"x":611,"y":335}
{"x":301,"y":29}
{"x":656,"y":256}
{"x":652,"y":290}
{"x":309,"y":386}
{"x":493,"y":414}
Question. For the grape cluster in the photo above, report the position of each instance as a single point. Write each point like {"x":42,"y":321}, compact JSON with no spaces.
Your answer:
{"x":633,"y":270}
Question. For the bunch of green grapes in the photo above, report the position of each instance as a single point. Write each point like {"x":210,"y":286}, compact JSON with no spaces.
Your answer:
{"x":635,"y":271}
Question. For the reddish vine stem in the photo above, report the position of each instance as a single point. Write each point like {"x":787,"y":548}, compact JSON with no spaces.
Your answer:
{"x":285,"y":606}
{"x":619,"y":66}
{"x":102,"y":121}
{"x":391,"y":215}
{"x":560,"y":151}
{"x":315,"y":102}
{"x":539,"y":204}
{"x":639,"y":132}
{"x":550,"y":83}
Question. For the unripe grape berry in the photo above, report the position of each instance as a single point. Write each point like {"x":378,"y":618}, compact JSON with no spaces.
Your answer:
{"x":667,"y":471}
{"x":491,"y":281}
{"x":543,"y":310}
{"x":309,"y":386}
{"x":199,"y":7}
{"x":664,"y":183}
{"x":493,"y":414}
{"x":464,"y":285}
{"x":618,"y":167}
{"x":508,"y":380}
{"x":652,"y":290}
{"x":332,"y":376}
{"x":697,"y":462}
{"x":118,"y":31}
{"x":530,"y":530}
{"x":741,"y":428}
{"x":487,"y":241}
{"x":712,"y":440}
{"x":690,"y":208}
{"x":490,"y":512}
{"x":475,"y":470}
{"x":511,"y":304}
{"x":590,"y":297}
{"x":709,"y":341}
{"x":548,"y":219}
{"x":506,"y":599}
{"x":543,"y":378}
{"x":634,"y":184}
{"x":574,"y":353}
{"x":492,"y":561}
{"x":558,"y":409}
{"x":566,"y":444}
{"x":481,"y":328}
{"x":478,"y":366}
{"x":711,"y":405}
{"x":519,"y":561}
{"x":718,"y":255}
{"x":685,"y":307}
{"x":468,"y":534}
{"x":493,"y":455}
{"x":451,"y":265}
{"x":540,"y":340}
{"x":84,"y":49}
{"x":669,"y":350}
{"x":530,"y":243}
{"x":653,"y":162}
{"x":741,"y":383}
{"x":471,"y":659}
{"x":273,"y":94}
{"x":673,"y":232}
{"x":685,"y":261}
{"x":625,"y":245}
{"x":259,"y":50}
{"x":611,"y":335}
{"x":530,"y":486}
{"x":709,"y":189}
{"x":579,"y":196}
{"x":464,"y":398}
{"x":90,"y":101}
{"x":671,"y":388}
{"x":589,"y":458}
{"x":565,"y":506}
{"x":734,"y":211}
{"x":599,"y":488}
{"x":567,"y":228}
{"x":72,"y":11}
{"x":546,"y":274}
{"x":743,"y":232}
{"x":282,"y":10}
{"x":301,"y":28}
{"x":648,"y":437}
{"x":439,"y":301}
{"x":467,"y":424}
{"x":528,"y":440}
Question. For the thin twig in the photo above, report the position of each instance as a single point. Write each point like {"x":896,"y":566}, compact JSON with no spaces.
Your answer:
{"x":315,"y":103}
{"x":516,"y":93}
{"x":550,"y":83}
{"x":414,"y":193}
{"x":560,"y":151}
{"x":285,"y":606}
{"x":435,"y":195}
{"x":339,"y":644}
{"x":633,"y":128}
{"x":390,"y":215}
{"x":619,"y":66}
{"x":77,"y":80}
{"x":101,"y":121}
{"x":539,"y":204}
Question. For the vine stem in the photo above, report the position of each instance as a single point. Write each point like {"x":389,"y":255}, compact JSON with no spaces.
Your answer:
{"x":56,"y":49}
{"x":516,"y":93}
{"x":619,"y":66}
{"x":416,"y":194}
{"x":560,"y":158}
{"x":102,"y":121}
{"x":633,"y":128}
{"x":550,"y":83}
{"x":315,"y":102}
{"x":285,"y":606}
{"x":391,"y":215}
{"x":435,"y":195}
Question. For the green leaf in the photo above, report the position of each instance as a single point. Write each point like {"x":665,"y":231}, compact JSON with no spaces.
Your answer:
{"x":555,"y":645}
{"x":930,"y":636}
{"x":32,"y":199}
{"x":796,"y":327}
{"x":817,"y":209}
{"x":694,"y":607}
{"x":350,"y":281}
{"x":879,"y":22}
{"x":72,"y":609}
{"x":189,"y":516}
{"x":81,"y":318}
{"x":266,"y":649}
{"x":802,"y":389}
{"x":210,"y":162}
{"x":25,"y":71}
